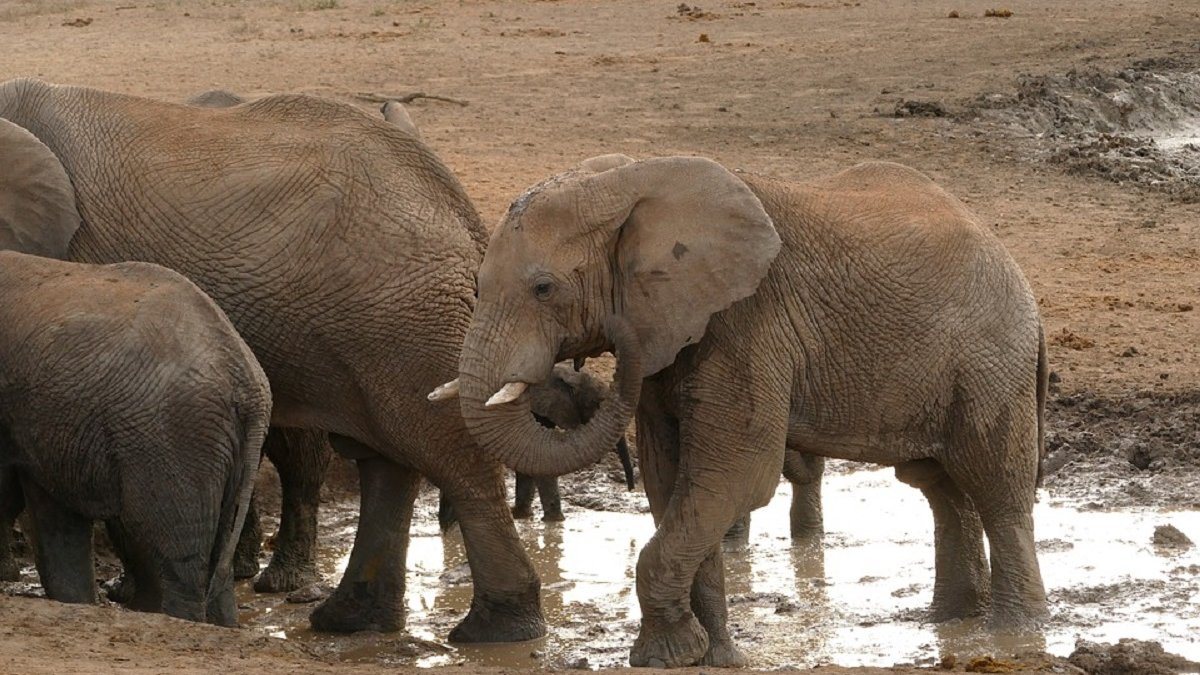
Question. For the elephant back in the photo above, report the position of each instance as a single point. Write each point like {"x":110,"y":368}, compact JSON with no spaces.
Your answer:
{"x":37,"y":201}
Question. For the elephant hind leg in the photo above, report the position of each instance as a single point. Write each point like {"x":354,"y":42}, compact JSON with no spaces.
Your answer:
{"x":62,"y":547}
{"x":997,"y":470}
{"x":301,"y":457}
{"x":12,"y":502}
{"x":370,"y":595}
{"x":551,"y":500}
{"x":805,"y":472}
{"x":523,"y":502}
{"x":961,"y":576}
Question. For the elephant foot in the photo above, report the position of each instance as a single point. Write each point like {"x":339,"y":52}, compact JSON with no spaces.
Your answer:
{"x":725,"y":654}
{"x":120,"y":589}
{"x":957,"y":606}
{"x":354,"y":611}
{"x":282,"y":578}
{"x":683,"y":643}
{"x":1017,"y":619}
{"x":512,"y":620}
{"x":522,"y":512}
{"x":553,"y":517}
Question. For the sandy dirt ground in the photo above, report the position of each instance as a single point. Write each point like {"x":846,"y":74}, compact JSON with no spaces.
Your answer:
{"x":1041,"y":121}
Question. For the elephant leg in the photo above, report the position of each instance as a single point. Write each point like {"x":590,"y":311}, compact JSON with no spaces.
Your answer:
{"x":12,"y":502}
{"x":961,"y":575}
{"x":804,"y":471}
{"x":551,"y":500}
{"x":523,"y":503}
{"x":141,"y":583}
{"x":709,"y":606}
{"x":506,"y":606}
{"x":62,"y":547}
{"x":301,"y":456}
{"x":121,"y":589}
{"x":245,"y":554}
{"x":370,"y":595}
{"x":685,"y":642}
{"x":446,"y":515}
{"x":738,"y":535}
{"x":997,"y":471}
{"x":723,"y":472}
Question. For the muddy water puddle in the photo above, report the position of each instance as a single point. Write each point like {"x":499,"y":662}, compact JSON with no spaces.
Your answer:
{"x":858,"y":600}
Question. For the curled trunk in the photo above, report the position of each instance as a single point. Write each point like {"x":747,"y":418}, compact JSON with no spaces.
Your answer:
{"x":510,"y":432}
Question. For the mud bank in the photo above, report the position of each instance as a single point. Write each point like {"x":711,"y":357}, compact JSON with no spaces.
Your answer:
{"x":1139,"y":125}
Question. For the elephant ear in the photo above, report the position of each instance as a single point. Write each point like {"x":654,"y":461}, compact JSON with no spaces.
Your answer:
{"x":696,"y":240}
{"x":37,"y":201}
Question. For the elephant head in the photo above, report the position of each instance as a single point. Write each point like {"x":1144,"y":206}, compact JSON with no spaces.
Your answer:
{"x":635,"y":255}
{"x":37,"y":201}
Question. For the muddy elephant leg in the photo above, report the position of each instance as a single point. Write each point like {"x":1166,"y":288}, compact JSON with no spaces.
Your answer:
{"x":370,"y":595}
{"x":711,"y":609}
{"x":961,"y":575}
{"x":12,"y":502}
{"x":547,"y":489}
{"x":301,"y":457}
{"x":998,"y":473}
{"x":62,"y":547}
{"x":245,"y":555}
{"x":723,"y":474}
{"x":738,"y":536}
{"x":506,"y":606}
{"x":804,"y":471}
{"x":523,"y":503}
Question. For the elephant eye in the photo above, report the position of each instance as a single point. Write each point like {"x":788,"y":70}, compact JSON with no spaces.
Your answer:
{"x":542,"y":289}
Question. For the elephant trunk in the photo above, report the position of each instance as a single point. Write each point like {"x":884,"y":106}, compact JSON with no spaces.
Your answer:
{"x":509,"y":431}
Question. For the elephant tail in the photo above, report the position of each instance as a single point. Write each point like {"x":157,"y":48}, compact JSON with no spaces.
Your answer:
{"x":1043,"y":385}
{"x":253,"y":421}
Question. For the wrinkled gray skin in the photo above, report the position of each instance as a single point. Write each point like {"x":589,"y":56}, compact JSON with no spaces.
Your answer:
{"x":344,"y":252}
{"x":127,"y":396}
{"x":569,"y":398}
{"x":864,"y":316}
{"x":806,"y":517}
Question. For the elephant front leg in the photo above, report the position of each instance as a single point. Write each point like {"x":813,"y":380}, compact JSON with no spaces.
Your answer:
{"x":708,"y":603}
{"x":301,"y":456}
{"x":523,"y":502}
{"x":728,"y":463}
{"x":249,"y":544}
{"x":370,"y":595}
{"x":506,"y":606}
{"x":961,"y":575}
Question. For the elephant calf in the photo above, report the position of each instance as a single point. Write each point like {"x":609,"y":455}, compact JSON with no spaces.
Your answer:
{"x":127,"y":396}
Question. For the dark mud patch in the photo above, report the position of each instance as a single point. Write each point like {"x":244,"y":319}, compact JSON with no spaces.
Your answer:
{"x":1128,"y":657}
{"x":1136,"y":450}
{"x":1138,"y":126}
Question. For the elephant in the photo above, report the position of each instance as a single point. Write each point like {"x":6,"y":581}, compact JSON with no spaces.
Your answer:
{"x":301,"y":456}
{"x":569,"y":398}
{"x":344,"y":252}
{"x":127,"y":396}
{"x":865,"y":316}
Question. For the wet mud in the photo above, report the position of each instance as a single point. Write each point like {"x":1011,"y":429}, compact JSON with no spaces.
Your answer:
{"x":1139,"y":125}
{"x":1116,"y":521}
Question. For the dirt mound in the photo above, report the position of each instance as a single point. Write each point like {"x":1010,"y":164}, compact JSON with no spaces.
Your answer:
{"x":1140,"y":449}
{"x":1128,"y":657}
{"x":1139,"y":125}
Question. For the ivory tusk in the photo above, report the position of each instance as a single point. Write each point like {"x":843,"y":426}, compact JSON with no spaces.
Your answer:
{"x":509,"y":392}
{"x":445,"y":392}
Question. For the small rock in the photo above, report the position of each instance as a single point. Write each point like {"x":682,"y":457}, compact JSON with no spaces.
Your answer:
{"x":703,"y":38}
{"x":580,"y":663}
{"x":953,"y":14}
{"x":309,"y":593}
{"x":1169,"y":537}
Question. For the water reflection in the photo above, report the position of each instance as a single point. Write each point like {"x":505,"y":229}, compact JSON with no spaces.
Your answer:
{"x":856,"y":600}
